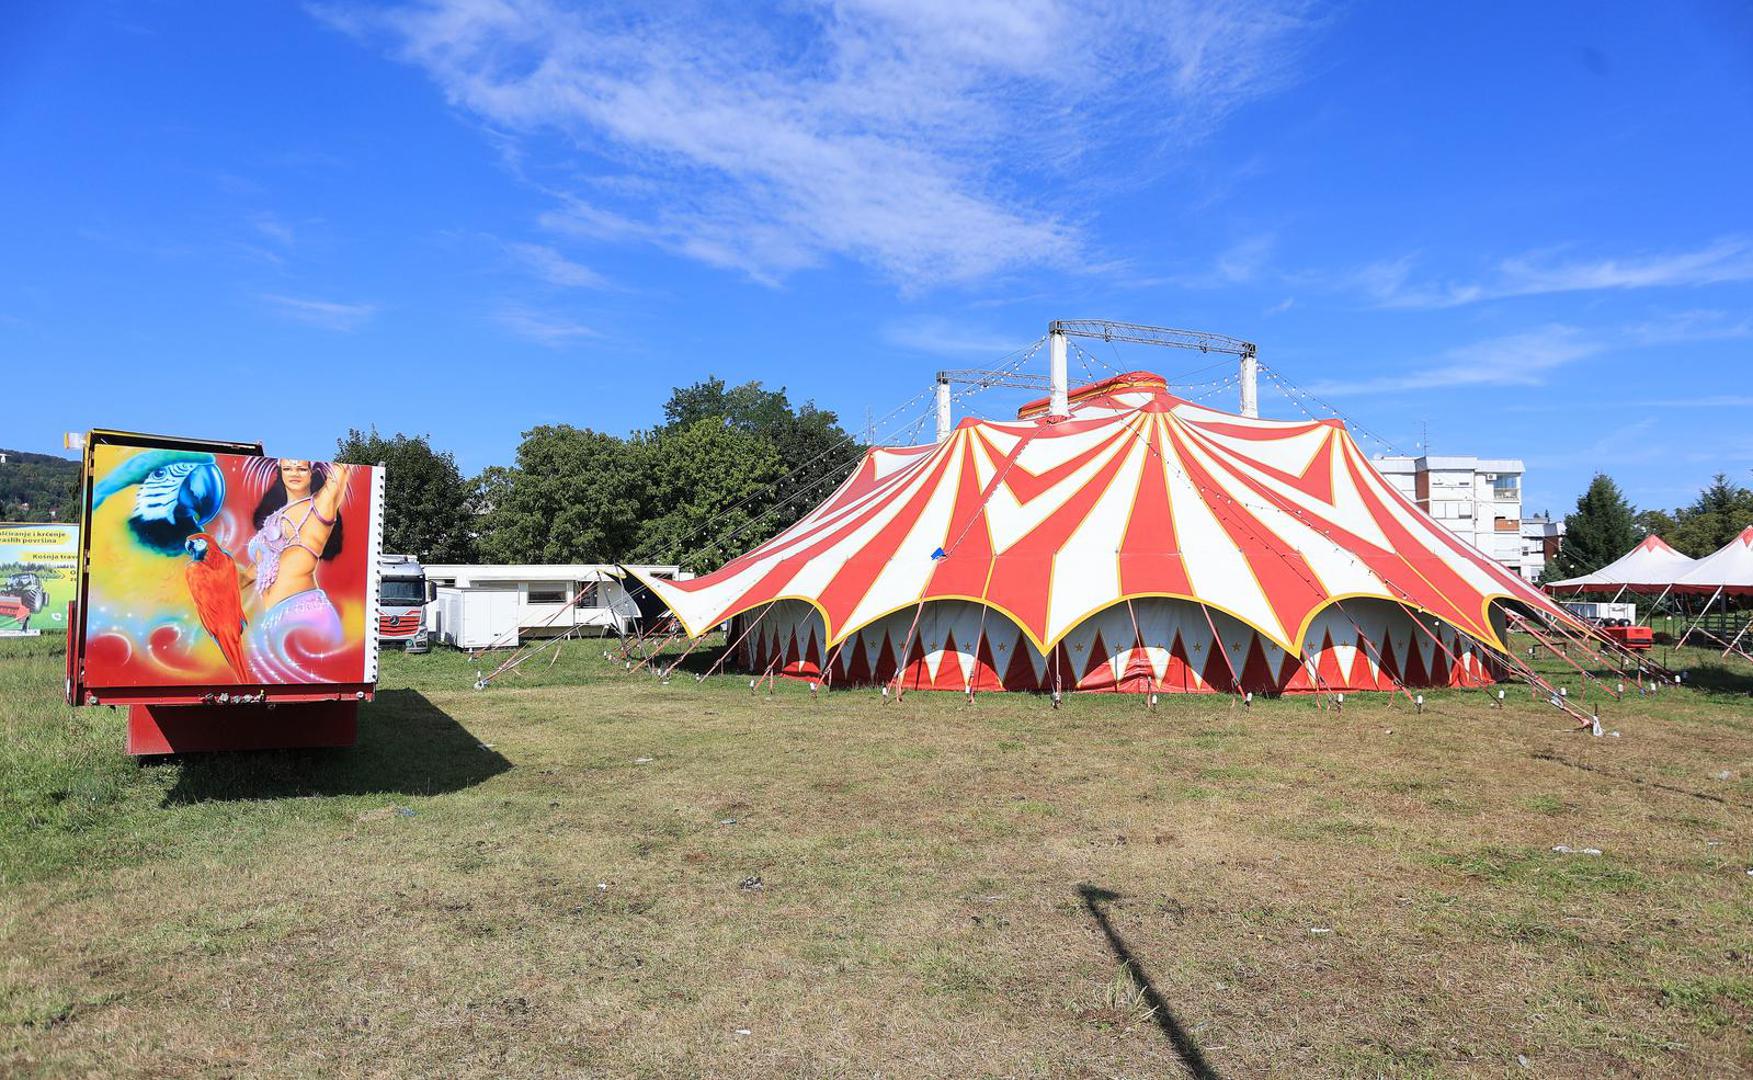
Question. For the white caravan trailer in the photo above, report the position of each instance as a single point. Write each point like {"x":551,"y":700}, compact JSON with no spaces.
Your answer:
{"x":500,"y":606}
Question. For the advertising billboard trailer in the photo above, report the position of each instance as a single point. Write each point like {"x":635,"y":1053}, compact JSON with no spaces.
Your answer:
{"x":228,"y":598}
{"x":37,"y":576}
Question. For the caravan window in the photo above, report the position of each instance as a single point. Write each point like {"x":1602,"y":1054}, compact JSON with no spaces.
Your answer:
{"x":549,"y":592}
{"x":587,"y":595}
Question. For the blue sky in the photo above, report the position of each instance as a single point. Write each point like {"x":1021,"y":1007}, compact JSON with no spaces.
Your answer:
{"x":1525,"y":225}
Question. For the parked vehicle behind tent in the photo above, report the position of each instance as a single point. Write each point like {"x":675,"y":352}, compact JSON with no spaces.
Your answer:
{"x":401,"y":608}
{"x":500,"y":606}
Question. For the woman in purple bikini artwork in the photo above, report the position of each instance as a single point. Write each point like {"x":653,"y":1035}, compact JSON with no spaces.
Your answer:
{"x":292,"y":622}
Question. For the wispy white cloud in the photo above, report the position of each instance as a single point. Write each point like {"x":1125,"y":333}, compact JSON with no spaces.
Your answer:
{"x":1392,"y":283}
{"x":274,"y":229}
{"x":1625,"y":444}
{"x":1686,"y":326}
{"x":328,"y":314}
{"x":895,"y":133}
{"x":555,"y":268}
{"x":1705,"y":401}
{"x":1523,"y":359}
{"x":949,"y":337}
{"x":553,"y":331}
{"x":1240,"y":263}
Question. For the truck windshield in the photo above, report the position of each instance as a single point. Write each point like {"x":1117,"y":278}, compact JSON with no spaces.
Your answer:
{"x":404,"y":591}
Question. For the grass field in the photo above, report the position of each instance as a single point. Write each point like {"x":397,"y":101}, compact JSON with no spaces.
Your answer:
{"x":578,"y":872}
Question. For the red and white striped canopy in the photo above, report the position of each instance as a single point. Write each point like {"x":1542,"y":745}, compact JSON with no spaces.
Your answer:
{"x":1137,"y":494}
{"x":1650,"y":566}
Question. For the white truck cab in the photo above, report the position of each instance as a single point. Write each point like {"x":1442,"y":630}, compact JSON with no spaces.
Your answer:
{"x":401,"y":607}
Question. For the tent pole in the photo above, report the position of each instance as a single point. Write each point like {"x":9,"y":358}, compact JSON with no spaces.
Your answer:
{"x":1528,"y":628}
{"x":1663,"y":595}
{"x":907,"y":649}
{"x":667,"y":672}
{"x":1138,"y":643}
{"x":1734,"y":646}
{"x":653,"y":654}
{"x":731,"y":649}
{"x":1701,"y":614}
{"x":1217,"y":643}
{"x":1374,"y":653}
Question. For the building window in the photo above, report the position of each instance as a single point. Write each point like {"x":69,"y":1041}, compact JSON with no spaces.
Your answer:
{"x":1507,"y":487}
{"x":547,"y":592}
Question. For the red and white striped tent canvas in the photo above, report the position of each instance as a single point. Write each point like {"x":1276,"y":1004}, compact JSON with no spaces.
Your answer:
{"x":1727,"y":570}
{"x":1143,"y":543}
{"x":1651,"y":566}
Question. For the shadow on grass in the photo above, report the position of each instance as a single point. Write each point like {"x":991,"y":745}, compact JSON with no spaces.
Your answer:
{"x":1185,"y":1048}
{"x":407,"y":746}
{"x":698,"y":662}
{"x":1719,"y":678}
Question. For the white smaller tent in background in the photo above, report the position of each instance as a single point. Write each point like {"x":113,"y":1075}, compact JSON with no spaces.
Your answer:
{"x":1651,"y":566}
{"x":1726,"y":572}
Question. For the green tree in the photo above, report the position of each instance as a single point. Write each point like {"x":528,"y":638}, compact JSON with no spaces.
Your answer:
{"x":426,"y":512}
{"x":1655,"y":523}
{"x":811,"y":449}
{"x":1718,"y":515}
{"x":1602,"y":529}
{"x":709,"y":490}
{"x":806,"y":438}
{"x":38,"y":487}
{"x":575,"y":495}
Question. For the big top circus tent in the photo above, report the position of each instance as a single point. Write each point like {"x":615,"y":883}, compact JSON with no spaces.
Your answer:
{"x":1650,"y":566}
{"x":1140,"y":543}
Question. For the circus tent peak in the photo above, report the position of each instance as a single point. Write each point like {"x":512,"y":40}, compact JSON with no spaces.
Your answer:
{"x":1651,"y":565}
{"x":1137,"y":493}
{"x":1729,"y":569}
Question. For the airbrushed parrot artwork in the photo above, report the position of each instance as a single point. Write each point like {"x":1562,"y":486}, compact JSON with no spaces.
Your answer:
{"x":212,"y":569}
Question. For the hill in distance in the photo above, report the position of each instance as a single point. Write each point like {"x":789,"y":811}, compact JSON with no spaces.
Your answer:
{"x":38,"y":487}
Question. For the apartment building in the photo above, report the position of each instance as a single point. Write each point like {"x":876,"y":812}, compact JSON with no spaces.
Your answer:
{"x":1480,"y":499}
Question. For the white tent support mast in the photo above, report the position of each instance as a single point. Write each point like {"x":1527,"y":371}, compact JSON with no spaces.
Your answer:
{"x":979,"y":379}
{"x":944,"y":422}
{"x":1057,"y":382}
{"x":1136,"y":334}
{"x":1058,"y":403}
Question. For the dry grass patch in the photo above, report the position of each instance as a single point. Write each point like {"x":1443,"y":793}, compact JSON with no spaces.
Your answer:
{"x":590,"y":874}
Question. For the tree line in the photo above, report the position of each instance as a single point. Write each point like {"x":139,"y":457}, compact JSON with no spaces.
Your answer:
{"x":38,"y":487}
{"x":1606,"y":525}
{"x":729,"y":467}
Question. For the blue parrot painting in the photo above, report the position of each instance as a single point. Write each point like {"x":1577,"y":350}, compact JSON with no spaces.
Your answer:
{"x":180,"y":491}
